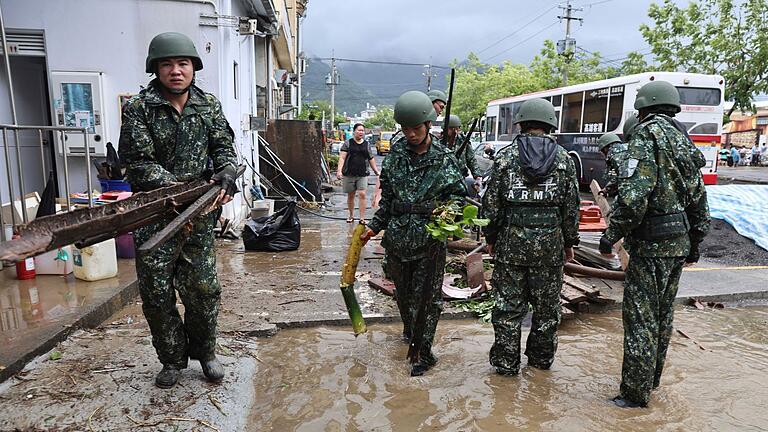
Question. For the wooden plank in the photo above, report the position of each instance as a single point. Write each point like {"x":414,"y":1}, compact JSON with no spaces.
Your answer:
{"x":605,"y":208}
{"x":581,"y":286}
{"x":572,"y":295}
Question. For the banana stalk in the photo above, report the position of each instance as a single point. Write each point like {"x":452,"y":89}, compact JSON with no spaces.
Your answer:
{"x":347,"y":284}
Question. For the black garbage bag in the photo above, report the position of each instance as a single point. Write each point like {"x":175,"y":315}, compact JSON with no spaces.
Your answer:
{"x":47,"y":205}
{"x":276,"y":233}
{"x":113,"y":163}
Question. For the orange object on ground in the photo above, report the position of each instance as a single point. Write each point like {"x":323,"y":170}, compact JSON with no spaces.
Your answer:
{"x":591,"y":218}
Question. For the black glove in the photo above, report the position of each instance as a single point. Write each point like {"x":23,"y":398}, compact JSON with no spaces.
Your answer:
{"x":693,"y":255}
{"x":226,"y":178}
{"x":606,"y":247}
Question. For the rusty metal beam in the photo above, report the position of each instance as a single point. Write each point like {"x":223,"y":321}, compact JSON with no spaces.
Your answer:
{"x":90,"y":225}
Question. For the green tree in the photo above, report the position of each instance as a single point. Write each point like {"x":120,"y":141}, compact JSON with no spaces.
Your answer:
{"x":635,"y":63}
{"x":477,"y":83}
{"x":384,"y":118}
{"x":723,"y":37}
{"x":582,"y":66}
{"x":314,"y":111}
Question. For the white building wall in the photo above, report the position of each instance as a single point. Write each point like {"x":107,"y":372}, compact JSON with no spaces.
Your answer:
{"x":112,"y":36}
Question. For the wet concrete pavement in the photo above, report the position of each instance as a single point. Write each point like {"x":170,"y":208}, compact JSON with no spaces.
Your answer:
{"x":36,"y":314}
{"x":325,"y":379}
{"x":742,"y":175}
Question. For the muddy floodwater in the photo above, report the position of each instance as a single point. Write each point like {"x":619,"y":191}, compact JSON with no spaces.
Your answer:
{"x":324,"y":379}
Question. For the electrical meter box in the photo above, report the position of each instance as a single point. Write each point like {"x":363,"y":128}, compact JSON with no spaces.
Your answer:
{"x":78,"y":101}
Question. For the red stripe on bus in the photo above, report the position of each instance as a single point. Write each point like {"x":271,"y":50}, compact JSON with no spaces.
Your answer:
{"x":706,"y":138}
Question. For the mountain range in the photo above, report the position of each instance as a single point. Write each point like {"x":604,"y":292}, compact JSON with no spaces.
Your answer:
{"x":361,"y":83}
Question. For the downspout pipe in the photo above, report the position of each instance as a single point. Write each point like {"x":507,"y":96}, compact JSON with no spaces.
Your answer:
{"x":15,"y":123}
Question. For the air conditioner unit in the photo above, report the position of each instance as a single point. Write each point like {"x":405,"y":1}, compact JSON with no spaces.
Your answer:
{"x":248,"y":26}
{"x":288,"y":93}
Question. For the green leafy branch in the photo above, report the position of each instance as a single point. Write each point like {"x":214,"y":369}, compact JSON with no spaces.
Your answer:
{"x":450,"y":219}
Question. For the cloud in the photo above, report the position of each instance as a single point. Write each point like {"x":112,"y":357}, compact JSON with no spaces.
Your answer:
{"x":438,"y":31}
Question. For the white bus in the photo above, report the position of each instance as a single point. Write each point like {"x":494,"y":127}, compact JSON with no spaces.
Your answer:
{"x":586,"y":111}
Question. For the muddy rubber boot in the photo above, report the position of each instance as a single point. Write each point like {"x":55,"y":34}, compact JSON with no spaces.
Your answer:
{"x":424,"y":364}
{"x":540,"y":364}
{"x":212,"y":369}
{"x":167,"y":377}
{"x":626,"y":403}
{"x":418,"y":368}
{"x":506,"y":372}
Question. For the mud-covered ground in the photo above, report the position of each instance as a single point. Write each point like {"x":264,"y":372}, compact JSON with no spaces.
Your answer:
{"x":724,"y":245}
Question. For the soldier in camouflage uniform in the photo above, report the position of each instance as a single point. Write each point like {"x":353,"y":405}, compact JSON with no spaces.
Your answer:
{"x":662,"y":214}
{"x":629,"y":127}
{"x":613,"y":149}
{"x":466,"y":158}
{"x":417,"y":175}
{"x":171,"y":132}
{"x":532,"y":202}
{"x":439,"y":99}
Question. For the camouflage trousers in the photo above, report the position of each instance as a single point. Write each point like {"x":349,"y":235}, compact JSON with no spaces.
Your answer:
{"x":186,"y":263}
{"x":409,"y":278}
{"x":650,"y":288}
{"x":514,"y":288}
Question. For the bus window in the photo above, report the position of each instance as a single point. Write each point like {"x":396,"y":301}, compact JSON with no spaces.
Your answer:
{"x":699,"y":96}
{"x":705,"y":129}
{"x":572,"y":113}
{"x":507,"y":115}
{"x":557,"y":119}
{"x":688,"y":125}
{"x":615,"y":108}
{"x":490,"y":129}
{"x":595,"y":106}
{"x":557,"y":100}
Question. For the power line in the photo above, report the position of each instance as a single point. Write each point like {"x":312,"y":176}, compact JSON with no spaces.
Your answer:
{"x":522,"y":41}
{"x":516,"y":31}
{"x":379,"y":62}
{"x":596,"y":3}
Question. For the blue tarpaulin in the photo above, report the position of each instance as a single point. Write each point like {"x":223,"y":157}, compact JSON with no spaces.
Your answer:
{"x":745,"y":207}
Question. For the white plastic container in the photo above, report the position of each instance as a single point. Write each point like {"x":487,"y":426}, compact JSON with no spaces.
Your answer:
{"x":95,"y":262}
{"x":56,"y":262}
{"x":262,"y":208}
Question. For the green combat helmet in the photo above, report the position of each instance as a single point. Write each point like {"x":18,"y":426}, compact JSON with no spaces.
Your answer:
{"x":629,"y":127}
{"x":607,"y":139}
{"x":172,"y":44}
{"x":658,"y":93}
{"x":454,"y":121}
{"x":538,"y":110}
{"x":413,"y":108}
{"x":437,"y":95}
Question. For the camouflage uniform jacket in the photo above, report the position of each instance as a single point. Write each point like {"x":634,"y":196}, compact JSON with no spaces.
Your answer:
{"x":616,"y":153}
{"x":659,"y":176}
{"x":159,"y":146}
{"x":531,"y":224}
{"x":467,"y":161}
{"x":431,"y":178}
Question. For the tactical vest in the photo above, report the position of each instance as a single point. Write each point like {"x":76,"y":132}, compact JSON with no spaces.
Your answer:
{"x":533,"y":206}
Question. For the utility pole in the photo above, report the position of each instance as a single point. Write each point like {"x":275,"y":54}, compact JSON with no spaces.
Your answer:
{"x":428,"y":74}
{"x":332,"y":79}
{"x":565,"y":46}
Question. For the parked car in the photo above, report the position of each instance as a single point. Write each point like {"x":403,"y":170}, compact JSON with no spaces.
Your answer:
{"x":382,"y":145}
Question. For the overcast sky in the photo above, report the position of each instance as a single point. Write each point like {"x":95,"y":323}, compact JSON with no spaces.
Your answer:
{"x":434,"y":31}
